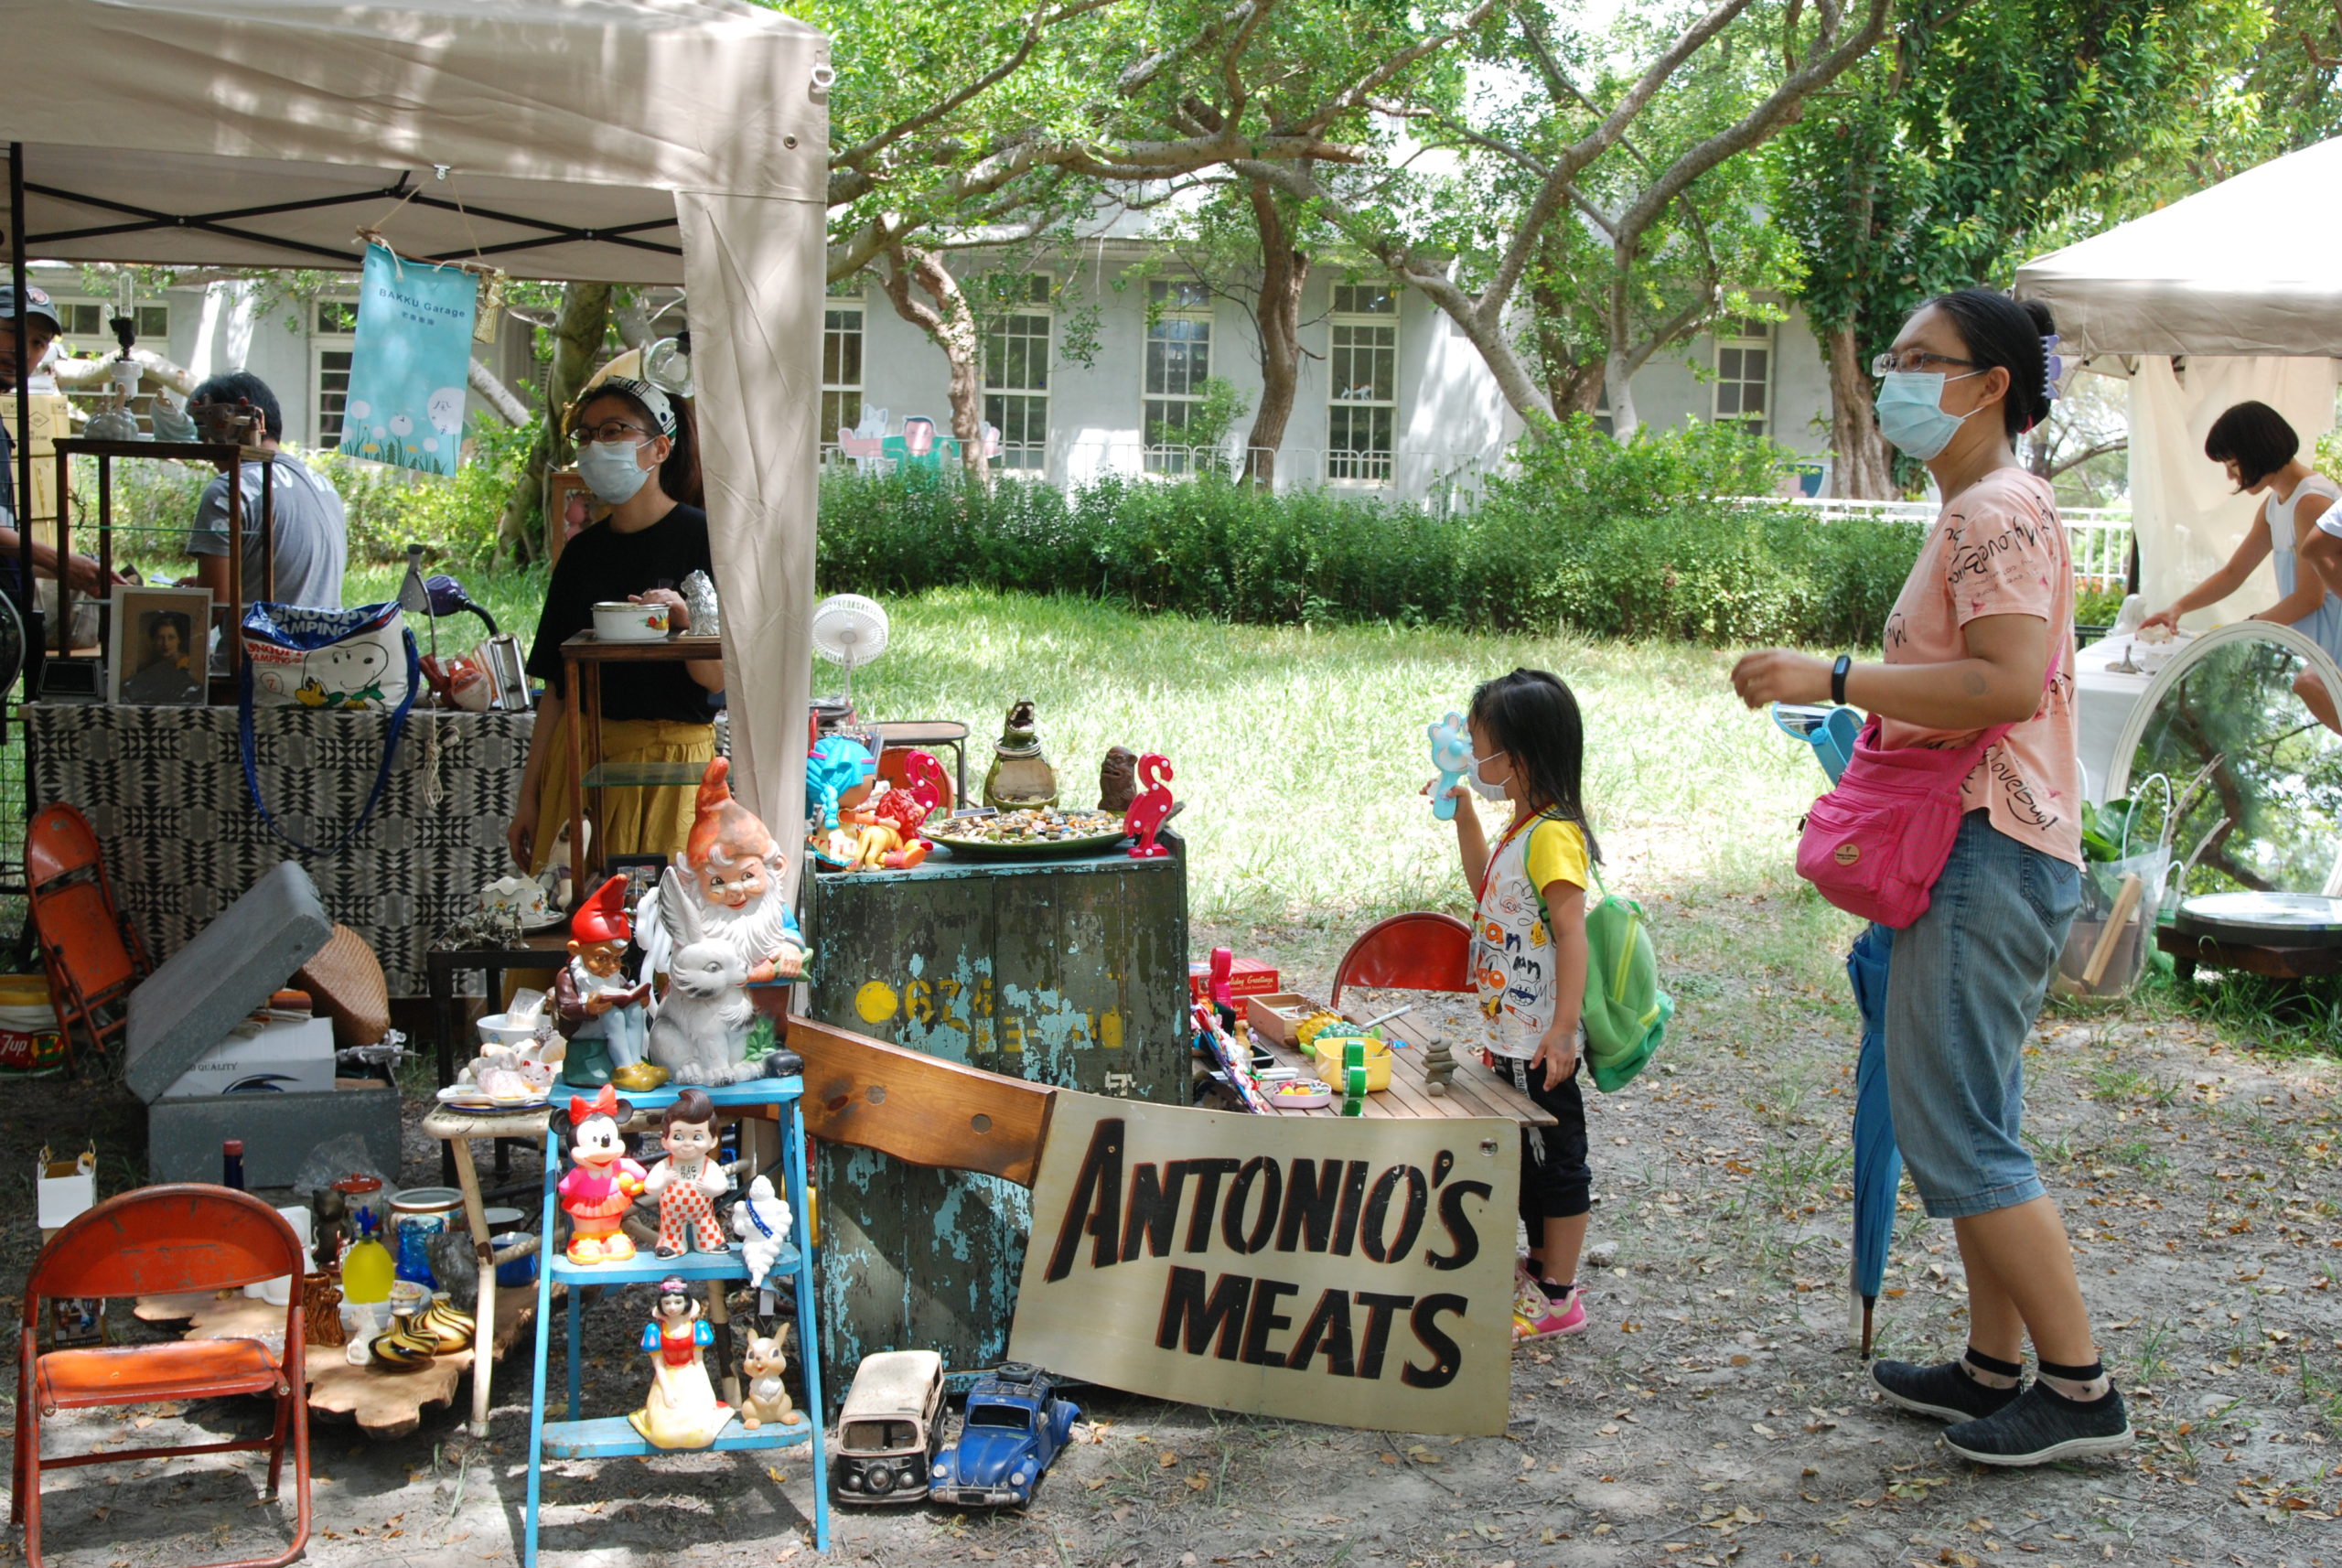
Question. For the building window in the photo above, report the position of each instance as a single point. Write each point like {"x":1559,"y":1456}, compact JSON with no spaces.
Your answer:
{"x":1016,"y":376}
{"x":1363,"y":383}
{"x":1178,"y":363}
{"x":841,"y":366}
{"x":1743,"y":372}
{"x":333,"y":327}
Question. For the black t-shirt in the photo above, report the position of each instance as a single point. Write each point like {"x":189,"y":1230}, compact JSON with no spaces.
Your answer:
{"x":602,"y":563}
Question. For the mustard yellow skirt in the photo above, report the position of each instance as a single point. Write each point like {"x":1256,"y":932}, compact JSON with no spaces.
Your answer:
{"x":654,"y":819}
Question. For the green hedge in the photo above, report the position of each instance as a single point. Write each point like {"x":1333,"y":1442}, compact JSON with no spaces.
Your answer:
{"x":1610,"y":539}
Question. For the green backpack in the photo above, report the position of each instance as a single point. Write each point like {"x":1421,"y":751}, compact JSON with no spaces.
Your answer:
{"x":1626,"y":1012}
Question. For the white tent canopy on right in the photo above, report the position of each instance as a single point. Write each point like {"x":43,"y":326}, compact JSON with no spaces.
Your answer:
{"x":2227,"y":295}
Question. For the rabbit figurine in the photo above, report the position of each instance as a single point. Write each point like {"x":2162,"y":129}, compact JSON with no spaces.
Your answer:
{"x":763,"y":1398}
{"x":701,"y":1035}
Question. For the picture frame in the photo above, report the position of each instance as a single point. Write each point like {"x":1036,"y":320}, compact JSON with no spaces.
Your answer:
{"x":158,"y":646}
{"x":641,"y":872}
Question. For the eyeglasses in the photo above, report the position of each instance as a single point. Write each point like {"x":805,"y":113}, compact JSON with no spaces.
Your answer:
{"x":1913,"y":359}
{"x":612,"y":430}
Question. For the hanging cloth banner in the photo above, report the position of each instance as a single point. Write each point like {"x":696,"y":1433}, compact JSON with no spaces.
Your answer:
{"x":409,"y":364}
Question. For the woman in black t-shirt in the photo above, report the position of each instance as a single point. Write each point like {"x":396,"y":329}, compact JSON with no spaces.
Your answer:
{"x":632,"y":453}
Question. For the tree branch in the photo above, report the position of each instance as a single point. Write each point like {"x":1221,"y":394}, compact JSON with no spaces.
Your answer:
{"x":2119,"y":444}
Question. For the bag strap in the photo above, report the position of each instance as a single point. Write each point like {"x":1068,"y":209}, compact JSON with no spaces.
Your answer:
{"x":248,"y":750}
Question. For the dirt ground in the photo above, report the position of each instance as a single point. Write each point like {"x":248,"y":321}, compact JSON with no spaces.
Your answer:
{"x":1714,"y":1411}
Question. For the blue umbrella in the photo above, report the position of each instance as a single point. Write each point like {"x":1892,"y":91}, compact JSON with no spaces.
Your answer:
{"x":1878,"y":1164}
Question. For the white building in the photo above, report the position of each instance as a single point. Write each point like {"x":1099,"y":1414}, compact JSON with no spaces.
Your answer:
{"x":1392,"y":399}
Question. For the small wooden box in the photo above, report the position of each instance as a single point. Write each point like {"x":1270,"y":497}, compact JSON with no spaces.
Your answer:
{"x":1278,"y":1016}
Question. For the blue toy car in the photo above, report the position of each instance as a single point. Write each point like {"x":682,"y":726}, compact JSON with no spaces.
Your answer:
{"x":1014,"y":1426}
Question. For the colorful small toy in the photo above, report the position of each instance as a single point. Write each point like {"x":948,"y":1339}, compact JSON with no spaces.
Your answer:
{"x":688,"y":1181}
{"x":602,"y":1182}
{"x":838,"y":766}
{"x":763,"y":1398}
{"x":1152,"y":809}
{"x":881,"y":831}
{"x":1235,"y":1063}
{"x":1015,"y":1424}
{"x":1222,"y":987}
{"x":1451,"y":753}
{"x":682,"y":1410}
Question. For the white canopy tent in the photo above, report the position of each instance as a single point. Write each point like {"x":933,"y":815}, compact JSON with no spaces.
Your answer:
{"x":2236,"y":283}
{"x":622,"y":141}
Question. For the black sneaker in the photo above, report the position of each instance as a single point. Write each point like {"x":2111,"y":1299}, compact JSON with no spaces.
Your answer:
{"x":2043,"y":1425}
{"x":1944,"y":1391}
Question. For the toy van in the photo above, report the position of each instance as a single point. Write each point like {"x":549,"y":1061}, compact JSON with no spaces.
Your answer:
{"x":889,"y":1429}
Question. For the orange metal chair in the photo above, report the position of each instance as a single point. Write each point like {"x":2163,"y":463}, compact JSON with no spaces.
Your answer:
{"x":94,"y":957}
{"x":1421,"y":951}
{"x":160,"y":1241}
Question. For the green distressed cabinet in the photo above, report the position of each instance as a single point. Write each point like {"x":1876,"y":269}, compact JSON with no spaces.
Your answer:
{"x":1072,"y":972}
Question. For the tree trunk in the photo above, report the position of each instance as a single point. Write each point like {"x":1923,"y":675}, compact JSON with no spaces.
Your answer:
{"x":502,"y":399}
{"x":1861,"y":469}
{"x":79,"y":374}
{"x":951,"y":325}
{"x":1283,"y":272}
{"x":1619,"y":381}
{"x":631,"y":316}
{"x":578,"y":333}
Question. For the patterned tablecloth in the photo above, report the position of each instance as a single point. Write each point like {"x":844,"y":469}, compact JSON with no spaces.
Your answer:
{"x":166,"y":793}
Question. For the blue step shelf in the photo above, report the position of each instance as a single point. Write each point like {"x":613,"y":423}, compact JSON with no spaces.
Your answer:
{"x":614,"y":1437}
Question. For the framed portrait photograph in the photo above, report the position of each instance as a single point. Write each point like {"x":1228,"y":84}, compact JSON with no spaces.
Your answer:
{"x":157,"y":648}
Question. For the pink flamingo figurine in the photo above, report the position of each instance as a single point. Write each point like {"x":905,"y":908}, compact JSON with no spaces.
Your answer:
{"x":1148,"y":812}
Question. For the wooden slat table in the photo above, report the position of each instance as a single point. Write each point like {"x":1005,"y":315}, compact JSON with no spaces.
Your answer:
{"x":1474,"y":1091}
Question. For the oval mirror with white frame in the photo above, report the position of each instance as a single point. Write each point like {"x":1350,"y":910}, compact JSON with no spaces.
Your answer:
{"x":2269,"y":818}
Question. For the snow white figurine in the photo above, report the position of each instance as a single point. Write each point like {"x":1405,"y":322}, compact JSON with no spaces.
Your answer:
{"x":682,"y":1411}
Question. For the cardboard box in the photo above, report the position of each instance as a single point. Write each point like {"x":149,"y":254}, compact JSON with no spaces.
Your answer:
{"x":1277,"y":1015}
{"x":283,"y":1056}
{"x":1246,"y":977}
{"x":52,"y":417}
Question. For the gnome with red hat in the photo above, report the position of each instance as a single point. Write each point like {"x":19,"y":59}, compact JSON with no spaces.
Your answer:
{"x":600,"y":1009}
{"x":733,"y":870}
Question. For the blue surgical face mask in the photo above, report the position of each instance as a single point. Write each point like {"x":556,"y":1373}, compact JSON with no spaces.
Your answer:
{"x":1911,"y":412}
{"x":612,"y":470}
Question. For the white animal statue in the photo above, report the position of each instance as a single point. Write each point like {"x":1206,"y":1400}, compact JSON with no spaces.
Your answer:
{"x":701,"y":1035}
{"x":761,"y":1220}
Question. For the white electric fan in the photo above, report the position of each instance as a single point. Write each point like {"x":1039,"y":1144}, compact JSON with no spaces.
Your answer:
{"x":849,"y":630}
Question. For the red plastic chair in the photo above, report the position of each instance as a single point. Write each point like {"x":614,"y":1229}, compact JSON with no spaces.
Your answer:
{"x":161,"y":1241}
{"x":1421,"y":951}
{"x":94,"y":957}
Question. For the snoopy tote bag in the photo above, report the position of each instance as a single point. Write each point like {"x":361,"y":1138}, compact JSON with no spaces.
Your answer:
{"x":354,"y":660}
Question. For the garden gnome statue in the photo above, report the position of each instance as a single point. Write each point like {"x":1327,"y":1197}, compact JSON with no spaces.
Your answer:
{"x":1020,"y":775}
{"x":682,"y":1411}
{"x":600,"y":1009}
{"x":733,"y":869}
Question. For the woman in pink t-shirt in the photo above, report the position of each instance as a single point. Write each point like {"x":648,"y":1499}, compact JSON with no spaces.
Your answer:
{"x":1984,"y":624}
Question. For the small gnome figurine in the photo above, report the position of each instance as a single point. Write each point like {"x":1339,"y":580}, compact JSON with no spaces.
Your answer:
{"x":599,"y":1008}
{"x":732,"y":866}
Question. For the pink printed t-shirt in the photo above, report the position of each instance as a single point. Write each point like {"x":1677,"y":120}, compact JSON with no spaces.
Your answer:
{"x":1999,"y":549}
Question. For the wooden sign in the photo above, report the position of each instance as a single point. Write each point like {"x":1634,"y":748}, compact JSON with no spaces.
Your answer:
{"x":1357,"y":1272}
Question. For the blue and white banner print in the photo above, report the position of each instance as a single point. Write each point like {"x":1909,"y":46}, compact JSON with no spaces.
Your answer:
{"x":409,"y":364}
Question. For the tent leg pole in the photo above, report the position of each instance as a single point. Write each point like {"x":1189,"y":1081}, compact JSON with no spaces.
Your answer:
{"x":21,"y":326}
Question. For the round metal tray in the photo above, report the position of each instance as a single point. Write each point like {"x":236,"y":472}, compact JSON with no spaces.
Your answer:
{"x":2263,"y":919}
{"x":1030,"y":849}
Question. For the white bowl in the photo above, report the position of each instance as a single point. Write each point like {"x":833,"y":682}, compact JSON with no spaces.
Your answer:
{"x":616,"y":620}
{"x":499,"y":1029}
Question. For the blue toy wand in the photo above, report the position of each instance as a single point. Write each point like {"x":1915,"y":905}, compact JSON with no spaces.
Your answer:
{"x":1451,"y":753}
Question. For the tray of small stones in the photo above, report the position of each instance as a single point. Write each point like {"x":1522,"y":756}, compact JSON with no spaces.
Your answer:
{"x":1032,"y":833}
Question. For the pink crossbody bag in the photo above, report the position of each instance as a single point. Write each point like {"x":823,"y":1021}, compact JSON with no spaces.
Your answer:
{"x":1876,"y":843}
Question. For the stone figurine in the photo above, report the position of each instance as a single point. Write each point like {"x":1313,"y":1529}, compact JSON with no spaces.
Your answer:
{"x":1020,"y":775}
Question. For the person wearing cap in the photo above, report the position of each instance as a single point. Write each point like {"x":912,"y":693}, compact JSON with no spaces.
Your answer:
{"x":634,"y":453}
{"x":42,"y":324}
{"x":310,"y":539}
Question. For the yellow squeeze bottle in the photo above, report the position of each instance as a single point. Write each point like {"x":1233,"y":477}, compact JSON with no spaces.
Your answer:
{"x":366,"y":1269}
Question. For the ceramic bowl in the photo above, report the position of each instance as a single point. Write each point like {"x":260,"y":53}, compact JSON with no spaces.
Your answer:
{"x":616,"y":620}
{"x":499,"y":1030}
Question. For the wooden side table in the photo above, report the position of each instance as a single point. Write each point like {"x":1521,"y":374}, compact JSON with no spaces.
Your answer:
{"x":582,"y":659}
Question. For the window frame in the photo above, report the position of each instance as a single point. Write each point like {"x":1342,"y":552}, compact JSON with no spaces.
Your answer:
{"x":835,"y":390}
{"x":1350,"y":464}
{"x":1163,"y":457}
{"x":1021,"y":451}
{"x":324,"y":340}
{"x":1736,"y":336}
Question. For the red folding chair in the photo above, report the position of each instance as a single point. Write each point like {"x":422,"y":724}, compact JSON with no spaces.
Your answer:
{"x":94,"y":957}
{"x":1421,"y":951}
{"x":162,"y":1241}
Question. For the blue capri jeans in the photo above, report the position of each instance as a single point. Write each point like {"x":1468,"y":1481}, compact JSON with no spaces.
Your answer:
{"x":1965,"y":983}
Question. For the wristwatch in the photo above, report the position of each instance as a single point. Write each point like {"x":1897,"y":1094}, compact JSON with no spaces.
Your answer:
{"x":1838,"y":678}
